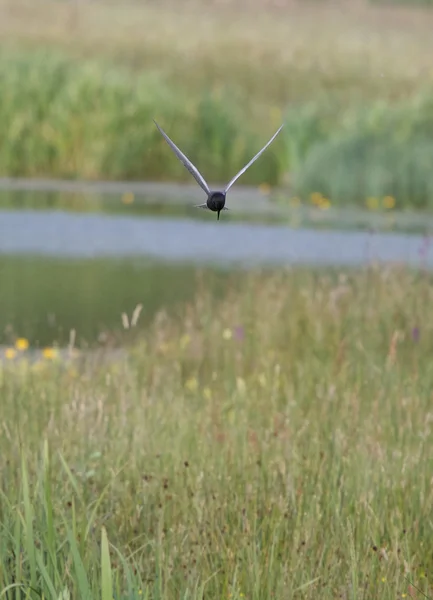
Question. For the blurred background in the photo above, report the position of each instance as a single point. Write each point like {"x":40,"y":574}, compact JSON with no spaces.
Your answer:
{"x":96,"y":217}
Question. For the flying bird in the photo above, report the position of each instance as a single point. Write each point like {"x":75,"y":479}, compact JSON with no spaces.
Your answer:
{"x":216,"y":199}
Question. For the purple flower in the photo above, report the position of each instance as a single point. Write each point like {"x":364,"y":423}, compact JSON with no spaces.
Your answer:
{"x":415,"y":334}
{"x":424,"y":248}
{"x":239,"y":333}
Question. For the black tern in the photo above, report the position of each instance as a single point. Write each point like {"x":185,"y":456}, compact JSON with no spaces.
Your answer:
{"x":216,"y":199}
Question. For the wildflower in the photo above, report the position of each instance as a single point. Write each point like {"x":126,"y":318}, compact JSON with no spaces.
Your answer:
{"x":389,"y":202}
{"x":21,"y":344}
{"x":316,"y":198}
{"x":128,"y":198}
{"x":415,"y":334}
{"x":191,"y":384}
{"x":383,"y":579}
{"x":372,"y":203}
{"x":265,"y":188}
{"x":239,"y":333}
{"x":10,"y":353}
{"x":227,"y":334}
{"x":207,"y":393}
{"x":424,"y":248}
{"x":49,"y":353}
{"x":324,"y":204}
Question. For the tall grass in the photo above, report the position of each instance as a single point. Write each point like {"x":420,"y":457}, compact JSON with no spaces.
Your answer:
{"x":275,"y":443}
{"x":63,"y":118}
{"x":80,"y":90}
{"x":59,"y":117}
{"x":371,"y":152}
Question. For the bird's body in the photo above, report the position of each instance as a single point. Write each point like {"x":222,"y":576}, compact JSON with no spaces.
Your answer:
{"x":215,"y":199}
{"x":215,"y":202}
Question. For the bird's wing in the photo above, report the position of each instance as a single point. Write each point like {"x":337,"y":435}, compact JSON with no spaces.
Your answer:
{"x":229,"y":185}
{"x":185,"y":161}
{"x":200,"y":205}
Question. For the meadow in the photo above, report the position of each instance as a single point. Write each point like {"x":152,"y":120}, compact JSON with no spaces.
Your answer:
{"x":270,"y":442}
{"x":81,"y":83}
{"x":261,"y":434}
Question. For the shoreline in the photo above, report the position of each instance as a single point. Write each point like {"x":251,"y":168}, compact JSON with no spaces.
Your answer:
{"x":243,"y":199}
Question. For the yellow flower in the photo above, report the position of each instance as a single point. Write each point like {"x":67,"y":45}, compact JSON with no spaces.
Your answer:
{"x":383,"y":579}
{"x":372,"y":203}
{"x":21,"y":344}
{"x":324,"y":204}
{"x":49,"y":353}
{"x":389,"y":202}
{"x":10,"y":353}
{"x":128,"y":198}
{"x":227,"y":334}
{"x":264,"y":188}
{"x":191,"y":384}
{"x":207,"y":393}
{"x":316,"y":198}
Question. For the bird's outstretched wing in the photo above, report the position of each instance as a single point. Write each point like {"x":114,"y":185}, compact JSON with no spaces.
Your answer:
{"x":185,"y":161}
{"x":242,"y":171}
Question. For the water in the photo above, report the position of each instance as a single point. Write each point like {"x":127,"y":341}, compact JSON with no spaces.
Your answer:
{"x":43,"y":299}
{"x":66,"y":235}
{"x":63,"y":271}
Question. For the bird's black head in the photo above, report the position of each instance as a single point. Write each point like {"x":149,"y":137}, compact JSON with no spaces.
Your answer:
{"x":216,"y":202}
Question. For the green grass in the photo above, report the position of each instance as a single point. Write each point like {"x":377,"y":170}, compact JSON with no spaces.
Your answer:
{"x":274,"y":443}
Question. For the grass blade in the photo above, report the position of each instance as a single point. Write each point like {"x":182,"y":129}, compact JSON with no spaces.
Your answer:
{"x":106,"y":577}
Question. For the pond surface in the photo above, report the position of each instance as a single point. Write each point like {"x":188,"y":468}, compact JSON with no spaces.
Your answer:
{"x":45,"y":299}
{"x":63,"y":234}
